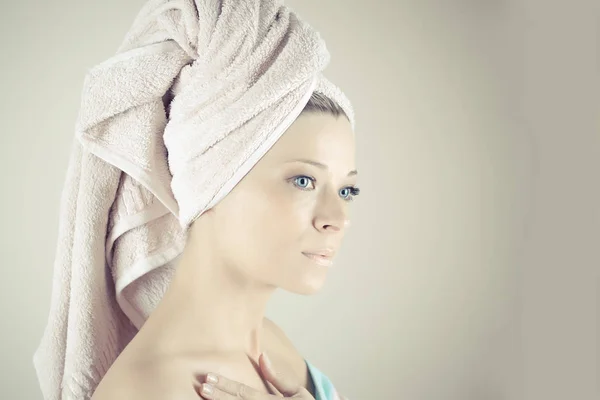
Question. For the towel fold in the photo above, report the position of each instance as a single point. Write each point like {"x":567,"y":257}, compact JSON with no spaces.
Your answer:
{"x":197,"y":93}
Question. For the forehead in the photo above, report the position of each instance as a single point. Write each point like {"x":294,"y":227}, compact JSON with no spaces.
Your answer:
{"x":320,"y":136}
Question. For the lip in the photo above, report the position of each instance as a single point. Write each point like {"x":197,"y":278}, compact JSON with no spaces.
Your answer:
{"x":327,"y":252}
{"x":325,"y":261}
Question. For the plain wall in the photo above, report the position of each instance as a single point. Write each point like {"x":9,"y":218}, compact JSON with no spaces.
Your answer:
{"x":471,"y":267}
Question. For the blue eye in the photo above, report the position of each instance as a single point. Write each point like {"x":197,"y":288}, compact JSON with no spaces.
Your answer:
{"x":303,"y":181}
{"x":351,"y":192}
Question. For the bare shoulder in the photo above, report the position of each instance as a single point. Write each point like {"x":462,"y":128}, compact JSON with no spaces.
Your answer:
{"x":288,"y":361}
{"x":276,"y":330}
{"x":147,"y":381}
{"x":285,"y":347}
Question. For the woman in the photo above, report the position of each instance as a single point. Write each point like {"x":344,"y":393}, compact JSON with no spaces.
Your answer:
{"x":204,"y":176}
{"x":280,"y":227}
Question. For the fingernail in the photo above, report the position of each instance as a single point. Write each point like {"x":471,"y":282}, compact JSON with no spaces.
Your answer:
{"x":267,"y":361}
{"x":210,"y":378}
{"x":207,"y":389}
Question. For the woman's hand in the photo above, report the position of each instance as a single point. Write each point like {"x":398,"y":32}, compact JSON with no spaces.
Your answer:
{"x":217,"y":387}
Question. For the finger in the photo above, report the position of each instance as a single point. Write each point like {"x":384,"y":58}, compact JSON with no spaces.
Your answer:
{"x":221,"y":385}
{"x":283,"y":385}
{"x":209,"y":392}
{"x":303,"y":394}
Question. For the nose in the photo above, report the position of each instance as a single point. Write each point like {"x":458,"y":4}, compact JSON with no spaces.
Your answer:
{"x":331,"y":215}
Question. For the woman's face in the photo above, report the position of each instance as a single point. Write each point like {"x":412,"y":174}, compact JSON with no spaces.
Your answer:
{"x":293,"y":203}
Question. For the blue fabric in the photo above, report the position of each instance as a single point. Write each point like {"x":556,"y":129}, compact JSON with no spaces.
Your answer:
{"x":324,"y":389}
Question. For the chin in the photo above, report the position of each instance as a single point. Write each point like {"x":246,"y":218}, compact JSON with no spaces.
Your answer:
{"x":304,"y":277}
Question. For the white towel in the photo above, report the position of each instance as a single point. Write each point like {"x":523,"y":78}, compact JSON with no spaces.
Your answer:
{"x":196,"y":95}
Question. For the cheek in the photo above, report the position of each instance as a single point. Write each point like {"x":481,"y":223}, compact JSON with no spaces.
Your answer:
{"x":281,"y":225}
{"x":289,"y":216}
{"x":278,"y":228}
{"x":266,"y":228}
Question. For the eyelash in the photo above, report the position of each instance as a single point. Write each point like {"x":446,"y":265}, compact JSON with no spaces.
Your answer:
{"x":354,"y":191}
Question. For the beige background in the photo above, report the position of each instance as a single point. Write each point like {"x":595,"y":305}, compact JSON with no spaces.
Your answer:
{"x":471,"y":268}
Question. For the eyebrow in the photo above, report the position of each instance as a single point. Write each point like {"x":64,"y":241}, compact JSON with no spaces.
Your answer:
{"x":322,"y":166}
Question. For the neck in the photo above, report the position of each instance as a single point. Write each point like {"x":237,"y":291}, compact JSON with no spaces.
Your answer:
{"x":210,"y":307}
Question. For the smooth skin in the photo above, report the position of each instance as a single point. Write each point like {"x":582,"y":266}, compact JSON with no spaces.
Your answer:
{"x":211,"y":318}
{"x":220,"y":388}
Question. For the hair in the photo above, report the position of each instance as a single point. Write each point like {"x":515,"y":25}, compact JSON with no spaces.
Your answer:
{"x":318,"y":102}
